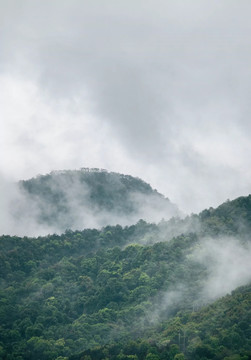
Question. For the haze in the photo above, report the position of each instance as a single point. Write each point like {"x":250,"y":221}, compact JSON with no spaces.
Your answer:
{"x":155,"y":89}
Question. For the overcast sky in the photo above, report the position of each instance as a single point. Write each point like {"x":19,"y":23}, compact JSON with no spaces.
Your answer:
{"x":157,"y":89}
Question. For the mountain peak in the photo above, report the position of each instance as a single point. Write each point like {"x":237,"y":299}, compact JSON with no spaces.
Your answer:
{"x":90,"y":197}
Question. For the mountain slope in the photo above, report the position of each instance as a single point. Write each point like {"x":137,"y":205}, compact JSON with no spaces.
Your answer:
{"x":60,"y":295}
{"x":219,"y":331}
{"x":56,"y":288}
{"x":232,"y":218}
{"x":88,"y":198}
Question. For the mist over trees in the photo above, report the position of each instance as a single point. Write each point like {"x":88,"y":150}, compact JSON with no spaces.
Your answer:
{"x":141,"y":291}
{"x":85,"y":198}
{"x":96,"y":264}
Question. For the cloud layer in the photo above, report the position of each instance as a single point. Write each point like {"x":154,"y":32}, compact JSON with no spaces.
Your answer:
{"x":157,"y":89}
{"x":228,"y":265}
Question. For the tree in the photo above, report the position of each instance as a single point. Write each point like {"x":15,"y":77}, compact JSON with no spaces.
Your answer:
{"x":152,"y":356}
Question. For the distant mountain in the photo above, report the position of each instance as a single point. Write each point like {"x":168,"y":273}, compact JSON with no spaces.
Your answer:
{"x":89,"y":198}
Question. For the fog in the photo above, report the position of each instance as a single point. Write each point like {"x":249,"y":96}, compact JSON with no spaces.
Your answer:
{"x":157,"y":89}
{"x":225,"y":265}
{"x":228,"y":265}
{"x":77,"y":200}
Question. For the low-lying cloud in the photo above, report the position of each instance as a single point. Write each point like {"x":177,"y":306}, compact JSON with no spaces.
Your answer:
{"x":70,"y":200}
{"x":221,"y":264}
{"x":228,"y":265}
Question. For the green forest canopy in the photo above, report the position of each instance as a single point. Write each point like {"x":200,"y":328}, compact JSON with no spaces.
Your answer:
{"x":93,"y":292}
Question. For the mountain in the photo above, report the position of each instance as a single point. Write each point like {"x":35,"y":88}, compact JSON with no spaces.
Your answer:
{"x":88,"y":198}
{"x":144,"y":291}
{"x":217,"y":331}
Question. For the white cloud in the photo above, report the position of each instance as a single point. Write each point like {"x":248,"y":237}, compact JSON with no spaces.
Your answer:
{"x":228,"y":264}
{"x":158,"y":89}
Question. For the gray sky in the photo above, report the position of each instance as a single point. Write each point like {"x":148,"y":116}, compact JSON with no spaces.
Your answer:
{"x":157,"y":89}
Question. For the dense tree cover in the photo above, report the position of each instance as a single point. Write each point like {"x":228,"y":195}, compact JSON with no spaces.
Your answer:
{"x":70,"y":294}
{"x":85,"y":298}
{"x":232,"y":218}
{"x":218,"y":331}
{"x":73,"y":198}
{"x":105,"y":189}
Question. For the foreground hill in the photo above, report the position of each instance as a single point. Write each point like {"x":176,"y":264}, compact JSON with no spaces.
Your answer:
{"x":88,"y":198}
{"x":64,"y":295}
{"x":218,"y":331}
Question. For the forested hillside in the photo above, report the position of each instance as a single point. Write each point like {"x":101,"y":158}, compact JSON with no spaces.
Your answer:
{"x":135,"y":292}
{"x":217,"y":331}
{"x":85,"y":198}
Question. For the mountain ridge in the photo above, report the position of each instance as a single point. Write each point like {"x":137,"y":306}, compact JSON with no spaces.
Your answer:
{"x":76,"y":199}
{"x":145,"y":291}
